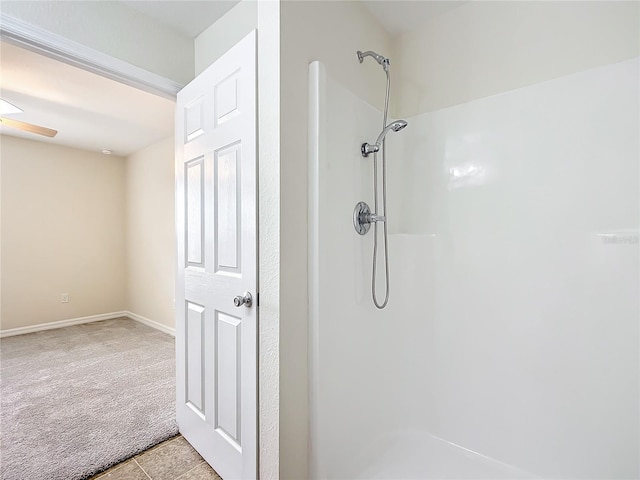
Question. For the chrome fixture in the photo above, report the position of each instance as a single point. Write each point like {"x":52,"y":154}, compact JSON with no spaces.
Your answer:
{"x":368,"y":148}
{"x":378,"y":58}
{"x":362,"y":216}
{"x":246,"y":300}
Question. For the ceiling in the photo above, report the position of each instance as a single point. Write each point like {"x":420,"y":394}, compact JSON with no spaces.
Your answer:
{"x":93,"y":113}
{"x":89,"y":111}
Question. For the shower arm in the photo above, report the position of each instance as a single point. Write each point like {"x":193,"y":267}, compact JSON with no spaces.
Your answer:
{"x":377,"y":57}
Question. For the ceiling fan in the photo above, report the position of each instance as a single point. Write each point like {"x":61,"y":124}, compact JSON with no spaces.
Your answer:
{"x":7,"y":108}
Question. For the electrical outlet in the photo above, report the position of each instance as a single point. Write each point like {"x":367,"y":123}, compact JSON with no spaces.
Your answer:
{"x":64,"y":298}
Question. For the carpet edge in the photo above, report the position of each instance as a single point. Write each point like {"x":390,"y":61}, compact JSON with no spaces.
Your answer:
{"x":10,"y":332}
{"x":152,"y":443}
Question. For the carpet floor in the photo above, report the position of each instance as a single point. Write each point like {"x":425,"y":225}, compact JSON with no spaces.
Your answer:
{"x":79,"y":399}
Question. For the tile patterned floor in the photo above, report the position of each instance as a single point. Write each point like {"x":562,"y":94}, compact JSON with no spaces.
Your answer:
{"x":174,"y":459}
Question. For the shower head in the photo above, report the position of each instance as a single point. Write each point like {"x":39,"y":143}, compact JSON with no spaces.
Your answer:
{"x":377,"y":57}
{"x":396,"y":126}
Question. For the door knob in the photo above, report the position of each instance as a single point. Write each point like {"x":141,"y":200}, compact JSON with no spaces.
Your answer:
{"x":246,"y":300}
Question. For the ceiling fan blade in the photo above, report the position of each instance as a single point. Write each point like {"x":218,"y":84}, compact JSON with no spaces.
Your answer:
{"x":28,"y":127}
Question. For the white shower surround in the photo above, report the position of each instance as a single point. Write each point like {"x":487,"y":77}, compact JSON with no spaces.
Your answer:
{"x":509,"y":348}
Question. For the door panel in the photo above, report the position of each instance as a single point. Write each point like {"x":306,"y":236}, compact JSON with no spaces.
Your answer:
{"x":227,"y":209}
{"x":216,"y":342}
{"x":228,"y":361}
{"x":194,"y":381}
{"x":194,"y":187}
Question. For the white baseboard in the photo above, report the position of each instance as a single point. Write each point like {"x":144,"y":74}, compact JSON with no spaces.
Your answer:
{"x":151,"y":323}
{"x":92,"y":318}
{"x":62,"y":323}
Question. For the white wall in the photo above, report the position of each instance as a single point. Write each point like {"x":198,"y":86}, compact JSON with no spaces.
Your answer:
{"x":332,"y":32}
{"x":62,"y":232}
{"x":225,"y":33}
{"x":484,"y":48}
{"x":115,"y":29}
{"x":150,"y":227}
{"x":271,"y":454}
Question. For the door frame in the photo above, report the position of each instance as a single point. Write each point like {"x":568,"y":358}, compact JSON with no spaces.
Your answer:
{"x":54,"y":46}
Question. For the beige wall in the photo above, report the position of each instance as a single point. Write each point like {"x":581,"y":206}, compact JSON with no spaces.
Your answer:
{"x":112,"y":28}
{"x":331,"y":32}
{"x":62,"y":232}
{"x":485,"y":48}
{"x":100,"y":228}
{"x":225,"y":33}
{"x":150,"y":230}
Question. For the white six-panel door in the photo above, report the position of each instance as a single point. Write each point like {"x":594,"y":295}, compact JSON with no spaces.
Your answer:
{"x":216,"y":221}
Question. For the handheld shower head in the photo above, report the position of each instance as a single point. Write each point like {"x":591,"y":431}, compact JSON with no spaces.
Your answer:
{"x":396,"y":126}
{"x":399,"y":125}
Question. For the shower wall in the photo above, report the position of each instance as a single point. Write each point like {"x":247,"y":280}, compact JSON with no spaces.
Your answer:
{"x":509,"y":348}
{"x":528,"y":207}
{"x":367,"y":365}
{"x":356,"y":379}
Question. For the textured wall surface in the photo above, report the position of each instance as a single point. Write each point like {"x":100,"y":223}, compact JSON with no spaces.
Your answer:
{"x":269,"y":239}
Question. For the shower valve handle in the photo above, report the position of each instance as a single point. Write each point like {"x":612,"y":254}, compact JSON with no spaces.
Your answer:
{"x":372,"y":217}
{"x":363,"y":218}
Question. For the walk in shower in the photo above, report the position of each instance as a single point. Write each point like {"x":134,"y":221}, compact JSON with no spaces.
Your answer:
{"x":509,"y":345}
